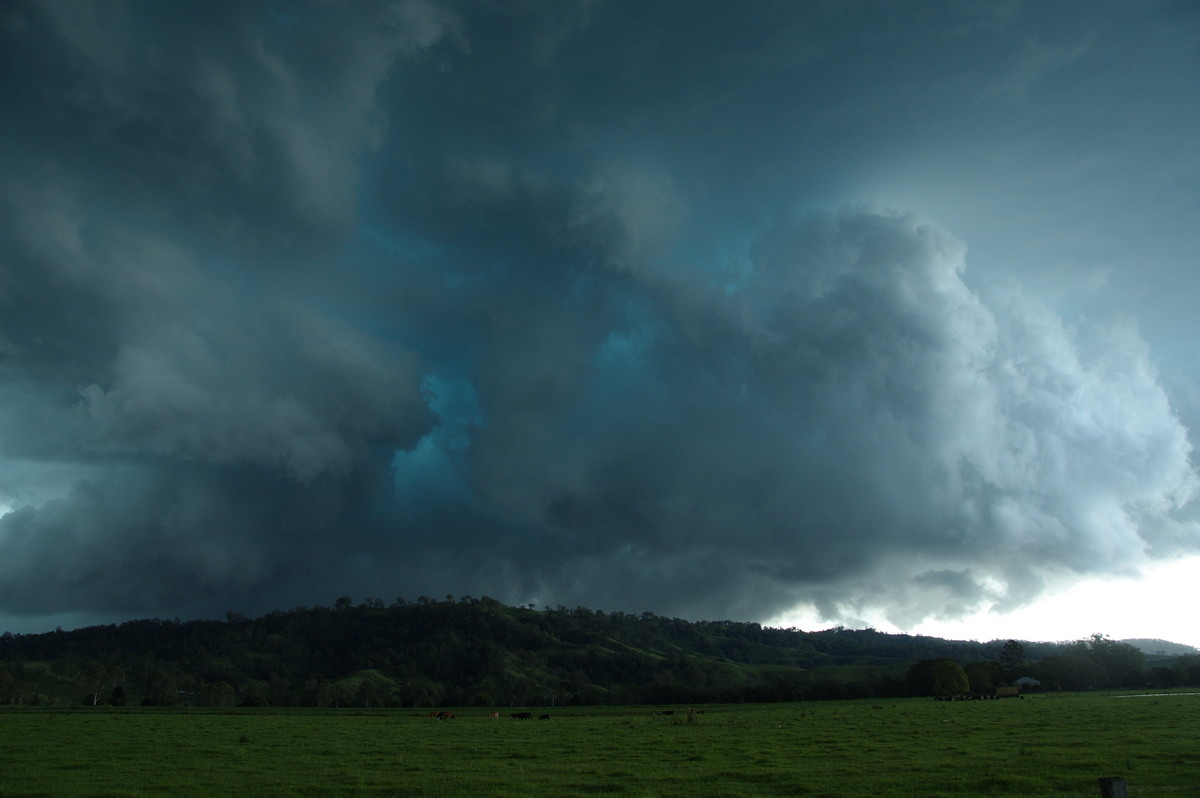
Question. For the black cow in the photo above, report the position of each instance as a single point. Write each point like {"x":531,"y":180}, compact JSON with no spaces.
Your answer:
{"x":521,"y":715}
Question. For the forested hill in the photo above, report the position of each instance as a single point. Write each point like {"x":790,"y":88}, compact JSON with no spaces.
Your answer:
{"x":470,"y":651}
{"x":1162,"y":647}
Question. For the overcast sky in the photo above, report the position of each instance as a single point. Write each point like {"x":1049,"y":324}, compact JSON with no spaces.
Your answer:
{"x":874,"y":311}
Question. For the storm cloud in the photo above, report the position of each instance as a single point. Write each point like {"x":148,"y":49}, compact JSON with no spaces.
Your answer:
{"x":586,"y":304}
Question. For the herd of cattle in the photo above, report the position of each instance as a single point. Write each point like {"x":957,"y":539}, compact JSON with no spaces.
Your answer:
{"x":443,"y":715}
{"x":439,"y":715}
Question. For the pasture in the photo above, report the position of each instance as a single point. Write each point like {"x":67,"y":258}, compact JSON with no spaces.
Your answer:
{"x":1045,"y":745}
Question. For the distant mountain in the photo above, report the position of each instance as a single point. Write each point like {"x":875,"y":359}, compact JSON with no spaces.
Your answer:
{"x":1156,"y":646}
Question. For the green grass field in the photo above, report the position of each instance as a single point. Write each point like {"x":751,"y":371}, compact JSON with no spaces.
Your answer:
{"x":1047,"y":745}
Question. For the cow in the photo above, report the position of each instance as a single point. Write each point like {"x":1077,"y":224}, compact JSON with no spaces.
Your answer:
{"x":543,"y":717}
{"x":493,"y":715}
{"x":445,"y":716}
{"x":521,"y":715}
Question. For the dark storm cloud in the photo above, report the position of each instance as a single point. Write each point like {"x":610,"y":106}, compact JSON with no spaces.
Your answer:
{"x":177,"y":169}
{"x":515,"y":299}
{"x":844,"y":414}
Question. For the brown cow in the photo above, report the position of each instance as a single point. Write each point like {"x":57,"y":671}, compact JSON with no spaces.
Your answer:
{"x":493,"y":714}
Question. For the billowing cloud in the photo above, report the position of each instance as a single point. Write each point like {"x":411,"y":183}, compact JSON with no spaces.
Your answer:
{"x":583,"y":304}
{"x":843,"y":417}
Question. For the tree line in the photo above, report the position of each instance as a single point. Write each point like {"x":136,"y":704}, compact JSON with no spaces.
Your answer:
{"x":1092,"y":664}
{"x":479,"y":652}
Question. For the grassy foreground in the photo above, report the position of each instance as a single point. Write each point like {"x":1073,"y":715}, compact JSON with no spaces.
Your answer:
{"x":1051,"y":745}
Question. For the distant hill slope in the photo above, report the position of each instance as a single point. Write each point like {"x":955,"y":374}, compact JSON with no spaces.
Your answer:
{"x":480,"y":652}
{"x":1156,"y":646}
{"x":476,"y":651}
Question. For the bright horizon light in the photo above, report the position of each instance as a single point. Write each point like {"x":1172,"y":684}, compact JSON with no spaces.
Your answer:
{"x":1159,"y":605}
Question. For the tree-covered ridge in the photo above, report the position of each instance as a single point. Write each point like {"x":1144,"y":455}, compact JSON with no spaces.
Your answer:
{"x":1162,"y":647}
{"x":477,"y":651}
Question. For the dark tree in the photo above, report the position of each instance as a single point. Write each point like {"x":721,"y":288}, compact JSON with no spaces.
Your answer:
{"x":1011,"y":660}
{"x":949,"y":679}
{"x":937,"y":677}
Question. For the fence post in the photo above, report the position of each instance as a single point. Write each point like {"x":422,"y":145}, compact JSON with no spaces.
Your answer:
{"x":1113,"y":787}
